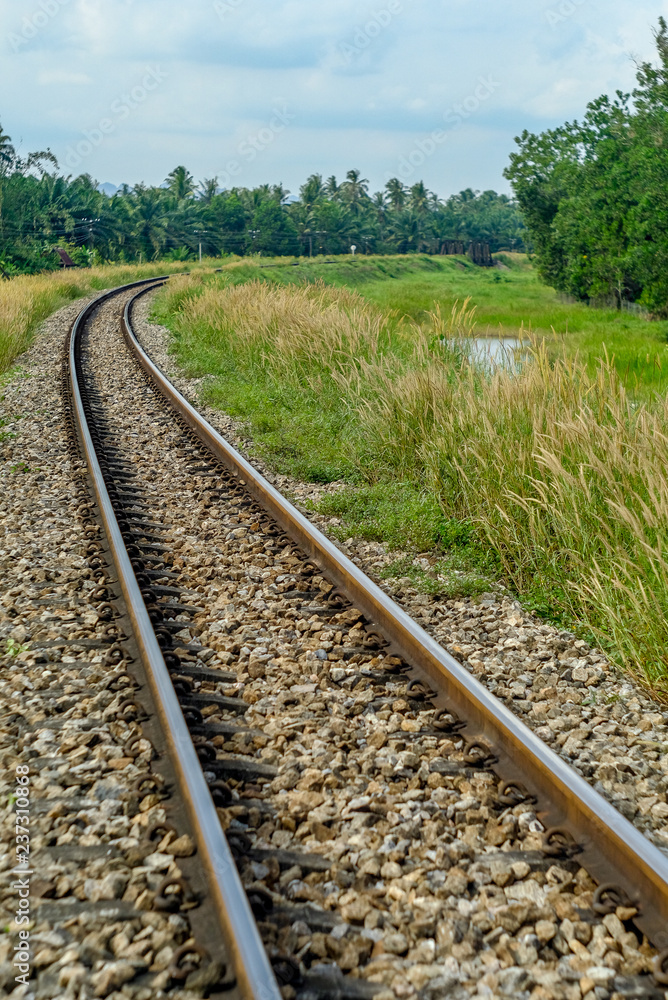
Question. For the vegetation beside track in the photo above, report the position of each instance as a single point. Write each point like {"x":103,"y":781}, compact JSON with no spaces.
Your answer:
{"x":27,"y":300}
{"x":506,"y":302}
{"x":552,"y":479}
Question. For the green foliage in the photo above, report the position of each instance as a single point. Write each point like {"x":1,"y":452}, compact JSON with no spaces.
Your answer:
{"x":40,"y":210}
{"x":594,"y":194}
{"x":14,"y":648}
{"x":406,"y":516}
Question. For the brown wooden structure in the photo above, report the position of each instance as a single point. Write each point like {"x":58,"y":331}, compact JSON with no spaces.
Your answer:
{"x":452,"y":247}
{"x":65,"y":259}
{"x":480,"y":254}
{"x":477,"y":251}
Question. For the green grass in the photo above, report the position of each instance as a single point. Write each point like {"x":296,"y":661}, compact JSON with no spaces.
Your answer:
{"x":551,"y":481}
{"x":505,"y":301}
{"x":405,"y":517}
{"x":301,"y":426}
{"x":285,"y":427}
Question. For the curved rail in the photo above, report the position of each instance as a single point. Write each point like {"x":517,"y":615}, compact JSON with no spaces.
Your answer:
{"x":613,"y":851}
{"x":254,"y":975}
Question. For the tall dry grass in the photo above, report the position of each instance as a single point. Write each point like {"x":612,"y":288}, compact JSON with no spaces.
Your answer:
{"x":27,"y":300}
{"x":566,"y":476}
{"x":285,"y":326}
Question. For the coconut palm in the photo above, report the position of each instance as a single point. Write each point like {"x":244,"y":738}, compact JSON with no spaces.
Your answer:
{"x":396,"y":192}
{"x":419,"y":198}
{"x":181,"y":183}
{"x":208,"y":189}
{"x":150,"y":220}
{"x":355,"y":191}
{"x":7,"y":151}
{"x":279,"y":193}
{"x":312,"y":191}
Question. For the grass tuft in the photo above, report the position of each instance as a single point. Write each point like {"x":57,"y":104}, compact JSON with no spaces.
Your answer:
{"x":553,"y":476}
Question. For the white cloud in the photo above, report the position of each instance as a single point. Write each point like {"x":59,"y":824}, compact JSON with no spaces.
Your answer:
{"x":365,"y":80}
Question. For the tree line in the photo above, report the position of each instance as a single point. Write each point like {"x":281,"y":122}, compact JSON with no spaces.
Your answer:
{"x":40,"y":208}
{"x":594,"y":194}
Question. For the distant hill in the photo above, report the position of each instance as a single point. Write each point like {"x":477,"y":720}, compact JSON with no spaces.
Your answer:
{"x":107,"y":188}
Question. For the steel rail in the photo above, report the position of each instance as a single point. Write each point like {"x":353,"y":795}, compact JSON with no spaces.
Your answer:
{"x":610,"y":847}
{"x":251,"y":966}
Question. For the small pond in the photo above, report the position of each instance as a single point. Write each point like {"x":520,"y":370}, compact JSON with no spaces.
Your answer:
{"x":495,"y":352}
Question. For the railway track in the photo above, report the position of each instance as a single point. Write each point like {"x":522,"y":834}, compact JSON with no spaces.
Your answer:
{"x":304,"y":713}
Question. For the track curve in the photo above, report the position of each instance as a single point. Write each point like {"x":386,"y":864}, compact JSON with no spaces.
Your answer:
{"x":628,"y":868}
{"x":252,"y":968}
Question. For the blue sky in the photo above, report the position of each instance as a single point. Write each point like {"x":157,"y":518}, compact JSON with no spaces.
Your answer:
{"x":257,"y":91}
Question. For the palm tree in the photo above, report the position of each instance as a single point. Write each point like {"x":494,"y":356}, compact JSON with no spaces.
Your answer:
{"x":51,"y":206}
{"x":150,"y":220}
{"x":355,"y":190}
{"x":208,"y":189}
{"x":7,"y":151}
{"x":419,"y":201}
{"x":280,"y":193}
{"x":331,"y":187}
{"x":334,"y":227}
{"x":181,"y":183}
{"x":312,"y":191}
{"x":396,"y":192}
{"x":379,"y":202}
{"x":408,"y":232}
{"x":251,"y":199}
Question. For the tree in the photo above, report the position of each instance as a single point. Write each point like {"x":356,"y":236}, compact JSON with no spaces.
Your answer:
{"x":355,"y":191}
{"x":595,"y":193}
{"x":181,"y":183}
{"x":7,"y":151}
{"x":419,"y":198}
{"x":227,"y":217}
{"x":273,"y":230}
{"x":396,"y":192}
{"x":331,"y":187}
{"x":312,"y":191}
{"x":208,"y":189}
{"x":149,"y":220}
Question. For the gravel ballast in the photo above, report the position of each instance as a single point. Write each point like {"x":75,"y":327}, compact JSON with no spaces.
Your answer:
{"x":94,"y":872}
{"x":604,"y":725}
{"x":602,"y":722}
{"x":377,"y":849}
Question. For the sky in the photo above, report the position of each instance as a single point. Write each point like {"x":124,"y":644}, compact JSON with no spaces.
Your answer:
{"x":269,"y":91}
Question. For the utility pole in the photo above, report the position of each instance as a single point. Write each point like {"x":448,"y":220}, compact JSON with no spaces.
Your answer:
{"x":200,"y":253}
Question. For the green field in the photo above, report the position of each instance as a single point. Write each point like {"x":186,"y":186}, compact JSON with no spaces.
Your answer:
{"x":507,"y":301}
{"x":549,"y":480}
